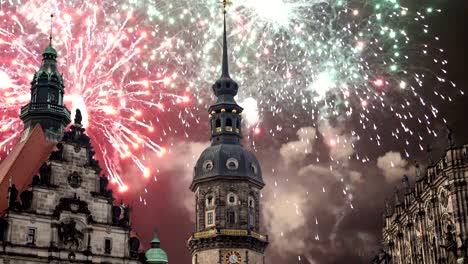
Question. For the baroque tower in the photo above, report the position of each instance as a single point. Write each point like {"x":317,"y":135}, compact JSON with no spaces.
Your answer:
{"x":227,"y":181}
{"x":46,"y":107}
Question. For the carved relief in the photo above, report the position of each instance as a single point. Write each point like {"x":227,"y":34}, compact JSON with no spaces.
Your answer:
{"x":70,"y":235}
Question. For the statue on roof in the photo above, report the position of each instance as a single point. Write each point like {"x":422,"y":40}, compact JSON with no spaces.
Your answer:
{"x":78,"y":117}
{"x":12,"y":197}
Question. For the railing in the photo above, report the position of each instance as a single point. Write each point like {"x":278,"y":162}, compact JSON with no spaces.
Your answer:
{"x":45,"y":107}
{"x":258,"y":236}
{"x":230,"y":232}
{"x":234,"y":232}
{"x":205,"y":234}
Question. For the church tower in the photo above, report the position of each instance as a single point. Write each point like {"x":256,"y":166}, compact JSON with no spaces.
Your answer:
{"x":46,"y":107}
{"x":227,"y":181}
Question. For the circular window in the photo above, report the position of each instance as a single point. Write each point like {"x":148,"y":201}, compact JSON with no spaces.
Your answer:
{"x":232,"y":164}
{"x":254,"y":168}
{"x":207,"y":165}
{"x":232,"y":199}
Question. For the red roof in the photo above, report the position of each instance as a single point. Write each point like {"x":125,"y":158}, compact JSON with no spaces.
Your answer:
{"x":23,"y":162}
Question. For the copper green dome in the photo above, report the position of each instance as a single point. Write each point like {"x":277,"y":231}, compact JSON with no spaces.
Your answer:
{"x":50,"y":50}
{"x":155,"y":254}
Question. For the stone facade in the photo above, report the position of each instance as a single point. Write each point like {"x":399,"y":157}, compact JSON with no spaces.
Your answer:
{"x":429,"y":222}
{"x":67,"y":215}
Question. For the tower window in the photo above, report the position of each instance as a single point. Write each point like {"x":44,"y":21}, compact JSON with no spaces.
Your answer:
{"x":107,"y":246}
{"x":209,"y":200}
{"x":251,"y":202}
{"x":232,"y":199}
{"x":229,"y":125}
{"x":232,"y":164}
{"x":31,"y":236}
{"x":210,"y":218}
{"x":207,"y":165}
{"x":237,"y":125}
{"x":251,"y":219}
{"x":254,"y":168}
{"x":218,"y":125}
{"x":231,"y":218}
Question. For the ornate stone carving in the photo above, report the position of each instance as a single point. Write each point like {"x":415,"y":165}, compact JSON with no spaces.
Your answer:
{"x":70,"y":235}
{"x":450,"y":246}
{"x":74,"y":180}
{"x":74,"y":205}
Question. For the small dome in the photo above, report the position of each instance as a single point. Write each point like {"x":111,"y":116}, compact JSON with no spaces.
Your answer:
{"x":50,"y":50}
{"x":229,"y":160}
{"x":155,"y":254}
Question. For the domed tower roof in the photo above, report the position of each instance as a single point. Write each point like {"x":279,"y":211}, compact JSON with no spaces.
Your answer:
{"x":155,"y":254}
{"x":49,"y":51}
{"x":229,"y":161}
{"x":226,"y":158}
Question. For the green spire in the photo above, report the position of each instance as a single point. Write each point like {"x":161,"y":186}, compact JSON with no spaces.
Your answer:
{"x":155,"y":254}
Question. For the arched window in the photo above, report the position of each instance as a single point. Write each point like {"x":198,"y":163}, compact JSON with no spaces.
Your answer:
{"x":229,"y":124}
{"x":232,"y":164}
{"x":237,"y":125}
{"x":218,"y":125}
{"x":231,"y":217}
{"x":251,"y":202}
{"x":209,"y":200}
{"x":232,"y":199}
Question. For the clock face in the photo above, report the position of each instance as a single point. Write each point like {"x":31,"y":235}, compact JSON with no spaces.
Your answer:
{"x":233,"y":257}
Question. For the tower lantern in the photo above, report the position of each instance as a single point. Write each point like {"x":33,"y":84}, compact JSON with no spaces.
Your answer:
{"x":47,"y":92}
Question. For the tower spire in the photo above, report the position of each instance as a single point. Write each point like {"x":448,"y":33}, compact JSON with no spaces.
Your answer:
{"x":51,"y":27}
{"x":225,"y":72}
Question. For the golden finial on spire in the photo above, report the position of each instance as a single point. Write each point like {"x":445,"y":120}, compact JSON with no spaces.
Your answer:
{"x":225,"y":4}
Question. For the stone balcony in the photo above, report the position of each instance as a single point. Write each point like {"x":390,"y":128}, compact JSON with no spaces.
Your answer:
{"x":45,"y":108}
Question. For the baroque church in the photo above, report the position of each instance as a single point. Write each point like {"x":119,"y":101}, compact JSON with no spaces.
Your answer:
{"x":428,"y":220}
{"x":59,"y":208}
{"x":227,"y":181}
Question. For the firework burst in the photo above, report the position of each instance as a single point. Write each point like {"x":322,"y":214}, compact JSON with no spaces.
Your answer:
{"x":133,"y":66}
{"x":112,"y":71}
